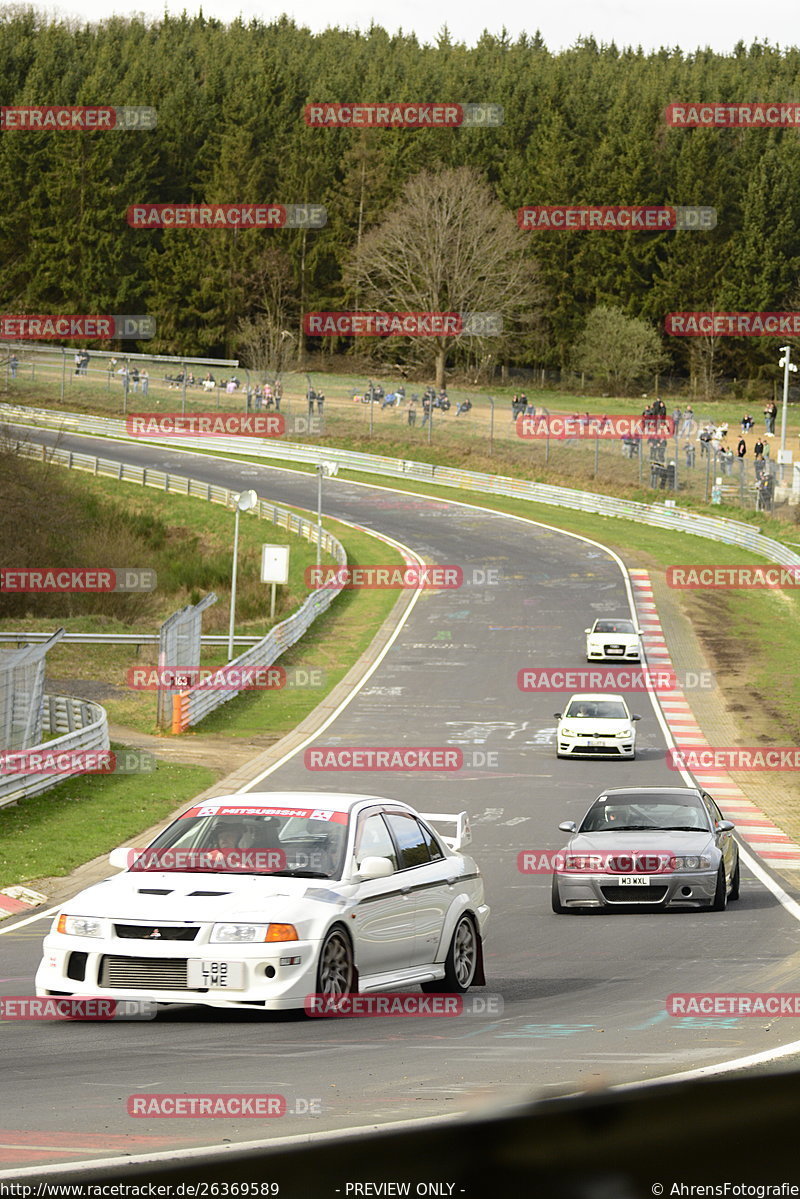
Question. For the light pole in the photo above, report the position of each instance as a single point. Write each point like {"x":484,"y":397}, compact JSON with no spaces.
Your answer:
{"x":491,"y":426}
{"x":331,"y":469}
{"x":787,"y":365}
{"x":244,"y":502}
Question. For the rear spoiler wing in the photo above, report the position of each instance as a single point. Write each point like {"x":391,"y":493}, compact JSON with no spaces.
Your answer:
{"x":463,"y":833}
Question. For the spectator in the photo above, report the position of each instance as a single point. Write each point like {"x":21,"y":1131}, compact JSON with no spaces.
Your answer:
{"x":426,"y":409}
{"x":464,"y":406}
{"x":320,"y":402}
{"x":688,"y":421}
{"x":758,"y":448}
{"x":726,"y":458}
{"x":135,"y":378}
{"x":747,"y":422}
{"x":770,"y":412}
{"x":13,"y":362}
{"x":311,"y":395}
{"x":704,"y":439}
{"x":268,"y":397}
{"x":690,"y":454}
{"x":741,"y":448}
{"x":760,"y":466}
{"x":112,"y":366}
{"x":412,"y":410}
{"x":78,"y":362}
{"x":278,"y":394}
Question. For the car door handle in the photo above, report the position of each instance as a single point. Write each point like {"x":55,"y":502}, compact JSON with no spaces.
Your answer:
{"x":451,"y":882}
{"x":405,"y":890}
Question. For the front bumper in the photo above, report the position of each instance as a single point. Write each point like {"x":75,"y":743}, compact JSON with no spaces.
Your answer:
{"x":693,"y":888}
{"x":605,"y":653}
{"x":116,"y":969}
{"x":600,"y":747}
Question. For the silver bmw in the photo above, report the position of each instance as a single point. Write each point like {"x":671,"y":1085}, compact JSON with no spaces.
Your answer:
{"x":654,"y":847}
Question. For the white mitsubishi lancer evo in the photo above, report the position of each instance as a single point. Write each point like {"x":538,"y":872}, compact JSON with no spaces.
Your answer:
{"x":261,"y":901}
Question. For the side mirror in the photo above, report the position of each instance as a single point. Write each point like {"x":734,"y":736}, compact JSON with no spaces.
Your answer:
{"x":568,"y":826}
{"x":636,"y":718}
{"x":123,"y":856}
{"x":557,"y":715}
{"x":374,"y":868}
{"x":587,"y":630}
{"x":724,"y":826}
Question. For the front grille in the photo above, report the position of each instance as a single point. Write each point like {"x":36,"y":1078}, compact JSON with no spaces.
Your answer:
{"x":596,"y":749}
{"x":145,"y":974}
{"x":145,"y":931}
{"x":617,"y":894}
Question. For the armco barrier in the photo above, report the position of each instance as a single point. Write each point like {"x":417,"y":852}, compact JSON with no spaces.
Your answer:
{"x":86,"y":726}
{"x":189,"y":707}
{"x":731,"y":532}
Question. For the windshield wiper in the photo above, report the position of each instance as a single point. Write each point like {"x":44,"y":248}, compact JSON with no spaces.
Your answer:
{"x":685,"y":828}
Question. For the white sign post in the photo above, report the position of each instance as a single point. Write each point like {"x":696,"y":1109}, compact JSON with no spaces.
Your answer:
{"x":274,"y":569}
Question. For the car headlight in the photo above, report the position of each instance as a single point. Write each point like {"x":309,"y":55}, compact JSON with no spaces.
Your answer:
{"x":567,"y":733}
{"x":240,"y":933}
{"x":624,"y":733}
{"x":79,"y":926}
{"x":692,"y":863}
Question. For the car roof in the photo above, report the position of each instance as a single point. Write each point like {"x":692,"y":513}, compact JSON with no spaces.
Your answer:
{"x":324,"y":800}
{"x":592,"y":695}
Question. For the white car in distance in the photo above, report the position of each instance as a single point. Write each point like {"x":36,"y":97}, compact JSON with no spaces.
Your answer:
{"x":596,"y":725}
{"x":614,"y":640}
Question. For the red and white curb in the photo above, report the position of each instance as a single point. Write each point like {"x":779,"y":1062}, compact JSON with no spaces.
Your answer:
{"x":765,"y":838}
{"x":19,"y":899}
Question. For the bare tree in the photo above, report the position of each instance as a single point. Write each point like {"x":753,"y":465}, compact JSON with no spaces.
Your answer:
{"x":447,"y":245}
{"x":264,"y":339}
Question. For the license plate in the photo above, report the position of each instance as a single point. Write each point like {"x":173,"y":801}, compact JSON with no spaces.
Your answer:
{"x":634,"y":880}
{"x":225,"y":976}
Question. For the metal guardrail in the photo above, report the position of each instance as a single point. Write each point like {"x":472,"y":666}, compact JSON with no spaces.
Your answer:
{"x":84,"y":728}
{"x":191,"y":706}
{"x":22,"y":637}
{"x":731,"y":532}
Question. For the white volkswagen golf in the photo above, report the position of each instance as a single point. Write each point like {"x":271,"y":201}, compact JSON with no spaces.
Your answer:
{"x":596,"y":725}
{"x":263,"y":900}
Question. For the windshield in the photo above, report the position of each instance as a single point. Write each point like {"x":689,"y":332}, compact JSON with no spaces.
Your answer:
{"x":281,"y":841}
{"x":596,"y":709}
{"x":644,"y":813}
{"x":614,"y":626}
